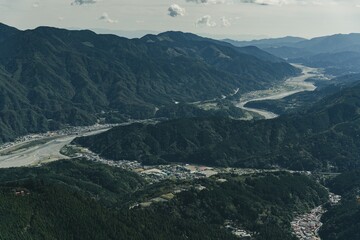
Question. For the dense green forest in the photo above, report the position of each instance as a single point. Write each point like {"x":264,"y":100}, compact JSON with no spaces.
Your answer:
{"x":79,"y":199}
{"x":222,"y":108}
{"x":50,"y":77}
{"x":325,"y":137}
{"x":341,"y":222}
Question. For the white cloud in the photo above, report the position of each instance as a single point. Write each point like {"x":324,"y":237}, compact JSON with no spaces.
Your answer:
{"x":175,"y":10}
{"x":267,"y":2}
{"x":36,"y":4}
{"x":81,"y":2}
{"x":288,"y":2}
{"x":105,"y":17}
{"x":225,"y":22}
{"x":274,"y":2}
{"x":207,"y":1}
{"x":205,"y":21}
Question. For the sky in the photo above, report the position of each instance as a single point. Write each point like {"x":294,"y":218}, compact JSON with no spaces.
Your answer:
{"x":237,"y":19}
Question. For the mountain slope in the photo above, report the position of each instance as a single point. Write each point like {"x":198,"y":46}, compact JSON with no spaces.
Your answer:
{"x":51,"y":77}
{"x":324,"y":137}
{"x":79,"y":199}
{"x":341,"y":221}
{"x":339,"y":63}
{"x":333,"y":43}
{"x":267,"y":43}
{"x":6,"y":31}
{"x":326,"y":44}
{"x":338,"y":54}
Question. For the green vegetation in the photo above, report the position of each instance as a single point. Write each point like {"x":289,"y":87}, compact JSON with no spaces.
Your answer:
{"x":341,"y":222}
{"x":222,"y":108}
{"x":264,"y":204}
{"x":324,"y":137}
{"x":50,"y":77}
{"x":77,"y":199}
{"x":300,"y":102}
{"x":338,"y":54}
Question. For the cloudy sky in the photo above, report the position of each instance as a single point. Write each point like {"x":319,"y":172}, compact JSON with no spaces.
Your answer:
{"x":218,"y":18}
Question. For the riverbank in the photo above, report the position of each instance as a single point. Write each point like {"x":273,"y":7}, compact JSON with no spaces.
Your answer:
{"x":34,"y":149}
{"x":289,"y":87}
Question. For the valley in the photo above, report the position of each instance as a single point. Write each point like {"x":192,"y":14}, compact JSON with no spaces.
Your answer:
{"x":42,"y":148}
{"x":289,"y":87}
{"x":37,"y":149}
{"x":177,"y":136}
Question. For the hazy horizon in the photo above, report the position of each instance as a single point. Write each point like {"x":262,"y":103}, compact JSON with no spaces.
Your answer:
{"x":140,"y":33}
{"x":236,"y":19}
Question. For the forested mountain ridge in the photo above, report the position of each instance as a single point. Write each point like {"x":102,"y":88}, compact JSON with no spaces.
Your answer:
{"x":341,"y":222}
{"x":324,"y":137}
{"x":6,"y":31}
{"x":50,"y":76}
{"x":304,"y":100}
{"x":338,"y":54}
{"x":79,"y":199}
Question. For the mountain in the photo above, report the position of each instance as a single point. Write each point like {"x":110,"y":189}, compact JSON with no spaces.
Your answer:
{"x":338,"y":54}
{"x":301,"y":101}
{"x":267,"y":43}
{"x":332,"y":44}
{"x":190,"y":41}
{"x":340,"y":63}
{"x":80,"y":199}
{"x":326,"y":44}
{"x":340,"y":222}
{"x":325,"y":137}
{"x":50,"y":77}
{"x":6,"y":31}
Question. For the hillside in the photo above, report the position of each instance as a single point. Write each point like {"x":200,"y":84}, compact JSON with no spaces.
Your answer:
{"x":324,"y":137}
{"x":338,"y":54}
{"x":50,"y":77}
{"x":79,"y":199}
{"x":267,"y":43}
{"x":304,"y":100}
{"x":341,"y":221}
{"x":326,"y":44}
{"x":335,"y":63}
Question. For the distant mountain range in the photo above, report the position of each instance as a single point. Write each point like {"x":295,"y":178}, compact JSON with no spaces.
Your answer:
{"x":50,"y":77}
{"x":339,"y":54}
{"x":267,"y":43}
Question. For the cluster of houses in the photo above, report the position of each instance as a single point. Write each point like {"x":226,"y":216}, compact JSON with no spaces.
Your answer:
{"x":237,"y":230}
{"x":21,"y":192}
{"x":159,"y":173}
{"x":306,"y":226}
{"x":334,"y":199}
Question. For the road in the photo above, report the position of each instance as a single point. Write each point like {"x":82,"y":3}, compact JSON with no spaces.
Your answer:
{"x":289,"y":87}
{"x":34,"y":152}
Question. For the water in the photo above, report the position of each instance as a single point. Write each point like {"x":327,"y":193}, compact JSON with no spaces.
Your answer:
{"x":288,"y":87}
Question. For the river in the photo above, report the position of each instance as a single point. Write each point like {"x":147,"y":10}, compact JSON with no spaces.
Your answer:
{"x":289,"y":87}
{"x":40,"y":150}
{"x":35,"y":149}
